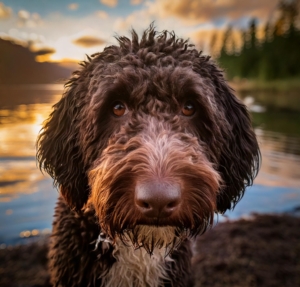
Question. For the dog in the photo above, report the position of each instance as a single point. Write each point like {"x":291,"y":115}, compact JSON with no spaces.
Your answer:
{"x":146,"y":145}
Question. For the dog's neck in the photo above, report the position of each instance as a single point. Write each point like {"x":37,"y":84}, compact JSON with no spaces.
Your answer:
{"x":136,"y":268}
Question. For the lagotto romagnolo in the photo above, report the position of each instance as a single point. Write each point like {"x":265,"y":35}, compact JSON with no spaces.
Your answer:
{"x":146,"y":145}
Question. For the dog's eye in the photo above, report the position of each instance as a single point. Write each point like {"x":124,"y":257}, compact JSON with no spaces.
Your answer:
{"x":119,"y":109}
{"x":188,"y":109}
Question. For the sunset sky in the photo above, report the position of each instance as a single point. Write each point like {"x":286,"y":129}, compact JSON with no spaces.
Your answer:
{"x":72,"y":29}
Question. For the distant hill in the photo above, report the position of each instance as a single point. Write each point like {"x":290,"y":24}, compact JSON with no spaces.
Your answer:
{"x":18,"y":66}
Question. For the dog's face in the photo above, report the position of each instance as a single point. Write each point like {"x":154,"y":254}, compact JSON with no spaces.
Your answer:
{"x":150,"y":134}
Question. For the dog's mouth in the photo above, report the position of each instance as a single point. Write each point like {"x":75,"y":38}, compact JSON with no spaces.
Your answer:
{"x":150,"y":237}
{"x":158,"y":222}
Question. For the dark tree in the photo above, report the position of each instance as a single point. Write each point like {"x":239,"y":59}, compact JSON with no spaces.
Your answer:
{"x":276,"y":56}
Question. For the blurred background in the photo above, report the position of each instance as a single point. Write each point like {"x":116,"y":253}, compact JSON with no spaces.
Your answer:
{"x":41,"y":42}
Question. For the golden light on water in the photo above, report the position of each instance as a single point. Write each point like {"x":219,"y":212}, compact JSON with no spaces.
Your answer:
{"x":34,"y":232}
{"x":18,"y":177}
{"x":19,"y":128}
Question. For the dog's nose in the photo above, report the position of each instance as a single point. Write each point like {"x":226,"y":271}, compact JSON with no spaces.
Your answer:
{"x":157,"y":199}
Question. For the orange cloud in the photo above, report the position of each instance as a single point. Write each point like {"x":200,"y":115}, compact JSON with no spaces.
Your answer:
{"x":135,"y":2}
{"x":110,"y":3}
{"x":44,"y":51}
{"x":5,"y":12}
{"x":195,"y":11}
{"x":212,"y":40}
{"x":88,"y":41}
{"x":209,"y":41}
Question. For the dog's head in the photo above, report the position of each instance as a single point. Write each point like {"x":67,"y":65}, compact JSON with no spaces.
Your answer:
{"x":151,"y":135}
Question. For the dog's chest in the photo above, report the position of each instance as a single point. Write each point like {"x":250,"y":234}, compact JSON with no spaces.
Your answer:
{"x":136,"y":268}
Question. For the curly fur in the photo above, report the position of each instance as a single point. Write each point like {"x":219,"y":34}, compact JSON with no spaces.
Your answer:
{"x":98,"y":159}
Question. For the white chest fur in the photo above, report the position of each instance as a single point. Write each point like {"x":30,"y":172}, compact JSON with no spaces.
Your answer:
{"x":136,"y":268}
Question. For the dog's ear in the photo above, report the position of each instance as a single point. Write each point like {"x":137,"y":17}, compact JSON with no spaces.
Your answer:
{"x":240,"y":155}
{"x":58,"y":151}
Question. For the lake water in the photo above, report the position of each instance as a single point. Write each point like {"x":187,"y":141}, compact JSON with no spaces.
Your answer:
{"x":27,"y":197}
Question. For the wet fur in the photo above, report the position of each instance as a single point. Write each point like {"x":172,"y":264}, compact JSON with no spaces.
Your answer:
{"x":97,"y":159}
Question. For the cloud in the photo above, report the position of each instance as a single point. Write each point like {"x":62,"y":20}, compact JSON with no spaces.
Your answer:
{"x":202,"y":21}
{"x":110,"y":3}
{"x":23,"y":38}
{"x":5,"y":12}
{"x":196,"y":11}
{"x":102,"y":14}
{"x":211,"y":40}
{"x":88,"y":41}
{"x":73,"y":6}
{"x":44,"y":51}
{"x":139,"y":20}
{"x":23,"y":15}
{"x":25,"y":19}
{"x":43,"y":54}
{"x":135,"y":2}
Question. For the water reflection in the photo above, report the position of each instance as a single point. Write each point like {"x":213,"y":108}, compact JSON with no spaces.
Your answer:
{"x":281,"y":159}
{"x":24,"y":108}
{"x":19,"y":127}
{"x":22,"y":112}
{"x":26,"y":196}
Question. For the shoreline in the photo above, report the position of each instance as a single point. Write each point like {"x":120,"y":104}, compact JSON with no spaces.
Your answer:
{"x":263,"y":250}
{"x":275,"y":95}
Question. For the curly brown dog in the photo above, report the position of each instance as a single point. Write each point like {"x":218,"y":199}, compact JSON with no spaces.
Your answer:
{"x":147,"y":143}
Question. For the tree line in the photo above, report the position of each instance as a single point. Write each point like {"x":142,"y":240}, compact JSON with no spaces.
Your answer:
{"x":274,"y":56}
